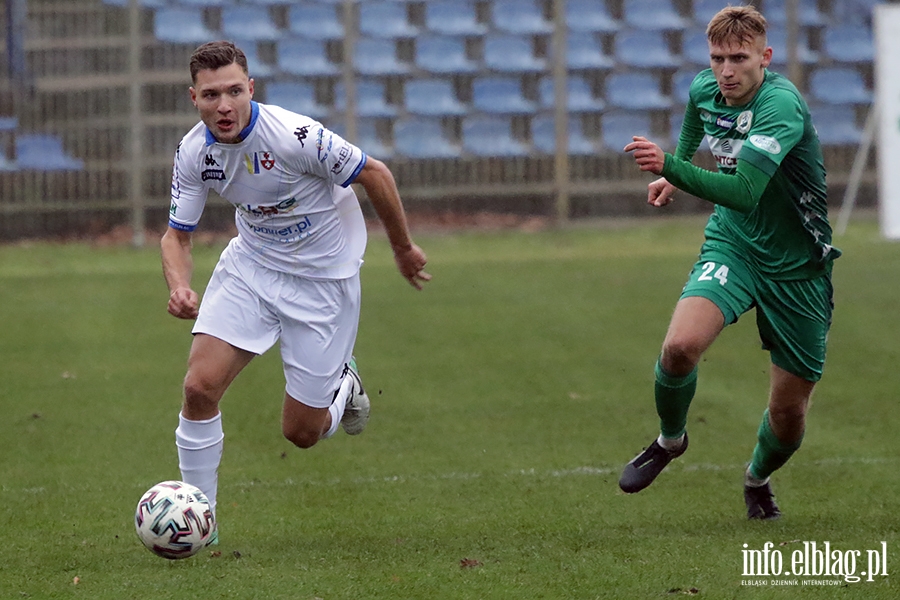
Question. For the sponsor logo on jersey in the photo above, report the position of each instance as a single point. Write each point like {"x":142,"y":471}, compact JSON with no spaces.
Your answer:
{"x":744,"y":121}
{"x":301,"y":133}
{"x":176,"y":186}
{"x":173,"y":208}
{"x":724,"y":122}
{"x":766,"y":143}
{"x":264,"y":159}
{"x":289,"y":233}
{"x":343,"y":155}
{"x":210,"y":161}
{"x":322,"y":148}
{"x":725,"y":151}
{"x":217,"y":174}
{"x":268,"y":211}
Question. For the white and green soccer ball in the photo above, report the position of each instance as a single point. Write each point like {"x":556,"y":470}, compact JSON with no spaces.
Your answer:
{"x":174,"y":520}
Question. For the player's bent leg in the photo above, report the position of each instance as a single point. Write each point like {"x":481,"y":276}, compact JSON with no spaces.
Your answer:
{"x":303,"y":425}
{"x":695,"y":325}
{"x":212,"y":366}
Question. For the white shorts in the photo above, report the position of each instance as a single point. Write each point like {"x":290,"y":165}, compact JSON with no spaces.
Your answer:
{"x":251,"y":307}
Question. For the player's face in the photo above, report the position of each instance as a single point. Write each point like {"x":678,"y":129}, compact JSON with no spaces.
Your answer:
{"x":739,"y":68}
{"x":223,"y":98}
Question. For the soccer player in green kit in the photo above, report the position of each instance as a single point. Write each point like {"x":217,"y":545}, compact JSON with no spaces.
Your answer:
{"x":768,"y":246}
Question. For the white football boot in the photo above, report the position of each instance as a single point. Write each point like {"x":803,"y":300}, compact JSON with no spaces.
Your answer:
{"x":356,"y":412}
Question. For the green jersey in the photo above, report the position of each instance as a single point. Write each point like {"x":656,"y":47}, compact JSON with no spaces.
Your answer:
{"x":774,"y":212}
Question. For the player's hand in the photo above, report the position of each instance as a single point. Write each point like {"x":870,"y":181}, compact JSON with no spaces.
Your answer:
{"x":660,"y":192}
{"x":647,"y":155}
{"x":411,"y":260}
{"x":184,"y":303}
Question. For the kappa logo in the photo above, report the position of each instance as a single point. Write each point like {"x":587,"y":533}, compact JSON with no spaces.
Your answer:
{"x":301,"y":134}
{"x":210,"y":161}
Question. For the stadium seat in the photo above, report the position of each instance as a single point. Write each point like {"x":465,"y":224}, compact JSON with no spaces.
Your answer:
{"x":453,"y":17}
{"x":652,"y":15}
{"x":617,"y":128}
{"x":423,"y":138}
{"x":385,"y":20}
{"x":543,"y":136}
{"x":248,"y":23}
{"x":583,"y":52}
{"x":681,"y":85}
{"x":705,"y":10}
{"x":807,"y":13}
{"x":304,"y":57}
{"x":299,"y":97}
{"x":202,"y":3}
{"x":519,"y":16}
{"x":839,"y":85}
{"x":443,"y":55}
{"x":643,"y":49}
{"x":511,"y":54}
{"x":579,"y":97}
{"x":432,"y":97}
{"x":181,"y":26}
{"x":636,"y":91}
{"x":695,"y":47}
{"x":375,"y":57}
{"x":590,"y":16}
{"x":490,"y":136}
{"x":43,"y":152}
{"x":777,"y":38}
{"x":500,"y":95}
{"x":315,"y":20}
{"x":255,"y":65}
{"x":853,"y":12}
{"x":849,"y":44}
{"x":370,"y":99}
{"x":836,"y":124}
{"x":368,"y":140}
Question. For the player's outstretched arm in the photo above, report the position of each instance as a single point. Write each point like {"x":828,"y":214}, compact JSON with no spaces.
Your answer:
{"x":178,"y":267}
{"x":381,"y":189}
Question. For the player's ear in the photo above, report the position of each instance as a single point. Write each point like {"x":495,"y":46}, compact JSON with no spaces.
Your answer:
{"x":250,"y":87}
{"x":767,"y":56}
{"x":193,"y":96}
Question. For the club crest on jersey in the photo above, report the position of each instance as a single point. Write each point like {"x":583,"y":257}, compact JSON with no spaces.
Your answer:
{"x":744,"y":121}
{"x":264,"y":159}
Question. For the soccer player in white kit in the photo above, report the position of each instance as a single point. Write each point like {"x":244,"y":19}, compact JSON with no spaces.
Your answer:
{"x":292,"y":272}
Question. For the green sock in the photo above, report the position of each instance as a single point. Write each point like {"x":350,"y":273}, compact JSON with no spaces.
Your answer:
{"x":673,"y":398}
{"x":770,"y":453}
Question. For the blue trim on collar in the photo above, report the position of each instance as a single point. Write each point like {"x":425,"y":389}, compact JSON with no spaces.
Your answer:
{"x":245,"y":132}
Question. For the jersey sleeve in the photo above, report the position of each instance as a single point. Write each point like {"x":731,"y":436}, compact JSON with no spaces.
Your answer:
{"x":188,"y":194}
{"x":777,"y":127}
{"x":330,"y":156}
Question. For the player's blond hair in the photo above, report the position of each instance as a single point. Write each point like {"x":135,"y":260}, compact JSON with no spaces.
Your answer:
{"x":736,"y":24}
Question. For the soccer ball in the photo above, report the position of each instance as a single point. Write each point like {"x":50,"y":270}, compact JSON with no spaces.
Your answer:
{"x":174,"y":520}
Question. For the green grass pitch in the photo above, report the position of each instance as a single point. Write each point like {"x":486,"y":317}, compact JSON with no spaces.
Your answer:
{"x":506,"y":398}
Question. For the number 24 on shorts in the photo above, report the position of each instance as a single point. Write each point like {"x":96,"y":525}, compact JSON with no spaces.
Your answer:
{"x":710,"y":272}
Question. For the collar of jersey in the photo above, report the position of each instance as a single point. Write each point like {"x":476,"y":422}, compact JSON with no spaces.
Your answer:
{"x":254,"y":114}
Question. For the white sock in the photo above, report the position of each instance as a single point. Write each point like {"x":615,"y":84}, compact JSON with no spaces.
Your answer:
{"x":200,"y":445}
{"x":751,"y":481}
{"x":670,"y":443}
{"x":336,"y":410}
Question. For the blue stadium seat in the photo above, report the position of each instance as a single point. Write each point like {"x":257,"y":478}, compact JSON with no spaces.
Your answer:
{"x":144,"y":3}
{"x":299,"y":97}
{"x":368,"y":140}
{"x":375,"y":57}
{"x":453,"y":17}
{"x":583,"y":52}
{"x":490,"y":136}
{"x":807,"y":14}
{"x":839,"y":85}
{"x":849,"y":43}
{"x":579,"y":97}
{"x":695,"y":46}
{"x":652,"y":15}
{"x":181,"y":25}
{"x":681,"y":85}
{"x":617,"y":128}
{"x":432,"y":97}
{"x":519,"y":16}
{"x":370,"y":99}
{"x":443,"y":55}
{"x":511,"y":54}
{"x":43,"y":152}
{"x":385,"y":20}
{"x":836,"y":124}
{"x":777,"y":38}
{"x":423,"y":138}
{"x":590,"y":16}
{"x":543,"y":136}
{"x":853,"y":12}
{"x":255,"y":65}
{"x":248,"y":23}
{"x":500,"y":95}
{"x":315,"y":20}
{"x":705,"y":10}
{"x":636,"y":91}
{"x":644,"y":49}
{"x":304,"y":57}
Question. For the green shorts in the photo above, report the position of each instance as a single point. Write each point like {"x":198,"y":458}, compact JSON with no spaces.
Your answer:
{"x":793,"y":317}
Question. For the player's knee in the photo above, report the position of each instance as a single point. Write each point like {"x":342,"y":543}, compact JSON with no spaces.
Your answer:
{"x":680,"y":356}
{"x":301,"y":437}
{"x":199,"y":396}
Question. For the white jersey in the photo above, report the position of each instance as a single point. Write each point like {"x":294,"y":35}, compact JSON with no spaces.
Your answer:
{"x":288,"y":180}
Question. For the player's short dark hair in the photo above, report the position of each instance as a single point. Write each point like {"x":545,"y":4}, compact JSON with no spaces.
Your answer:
{"x":215,"y":55}
{"x":736,"y":23}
